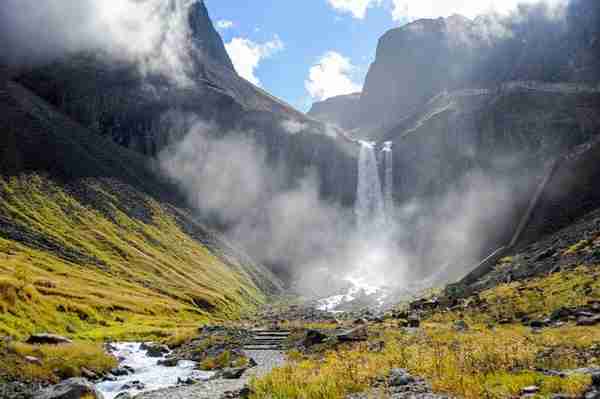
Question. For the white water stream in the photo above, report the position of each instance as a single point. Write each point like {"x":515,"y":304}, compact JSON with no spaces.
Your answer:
{"x":147,"y":372}
{"x":370,"y":209}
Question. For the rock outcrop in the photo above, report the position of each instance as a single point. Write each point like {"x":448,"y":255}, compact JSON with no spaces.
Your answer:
{"x":340,"y":110}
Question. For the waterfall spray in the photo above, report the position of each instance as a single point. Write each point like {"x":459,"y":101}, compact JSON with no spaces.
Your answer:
{"x":388,"y":178}
{"x":370,"y":209}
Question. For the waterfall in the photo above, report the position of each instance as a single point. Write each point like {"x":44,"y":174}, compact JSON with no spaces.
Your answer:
{"x":388,"y":178}
{"x":370,"y":209}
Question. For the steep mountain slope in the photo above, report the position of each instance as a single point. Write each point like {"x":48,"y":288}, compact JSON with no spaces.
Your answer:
{"x":93,"y":243}
{"x":115,"y":99}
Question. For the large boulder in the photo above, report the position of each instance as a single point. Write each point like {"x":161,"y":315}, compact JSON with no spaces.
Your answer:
{"x":356,"y":334}
{"x":314,"y":337}
{"x":48,"y":339}
{"x":75,"y":388}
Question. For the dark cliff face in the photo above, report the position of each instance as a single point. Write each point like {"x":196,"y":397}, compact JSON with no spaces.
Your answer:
{"x":116,"y":99}
{"x":339,"y":110}
{"x":206,"y":37}
{"x":414,"y":63}
{"x":417,"y":61}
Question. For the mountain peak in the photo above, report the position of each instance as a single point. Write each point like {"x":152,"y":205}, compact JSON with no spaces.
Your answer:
{"x":205,"y":36}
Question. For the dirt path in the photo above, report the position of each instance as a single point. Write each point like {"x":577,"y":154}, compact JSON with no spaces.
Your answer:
{"x":266,"y":360}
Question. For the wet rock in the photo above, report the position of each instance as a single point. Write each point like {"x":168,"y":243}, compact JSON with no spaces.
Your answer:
{"x":171,"y":362}
{"x":120,"y":371}
{"x":231,"y":373}
{"x":157,"y":350}
{"x":47,"y":339}
{"x":110,"y":377}
{"x":356,"y":334}
{"x":75,"y":388}
{"x":134,"y":385}
{"x":400,"y":377}
{"x":124,"y":395}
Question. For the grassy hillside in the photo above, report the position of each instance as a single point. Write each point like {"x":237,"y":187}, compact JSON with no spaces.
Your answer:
{"x":94,"y":245}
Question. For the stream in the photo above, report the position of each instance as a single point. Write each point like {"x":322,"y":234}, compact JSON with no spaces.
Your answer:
{"x":147,"y":375}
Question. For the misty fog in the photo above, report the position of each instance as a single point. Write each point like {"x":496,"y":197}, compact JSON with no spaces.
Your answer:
{"x":226,"y":175}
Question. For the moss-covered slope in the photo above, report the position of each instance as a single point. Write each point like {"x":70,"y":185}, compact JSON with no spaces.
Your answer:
{"x":94,"y":244}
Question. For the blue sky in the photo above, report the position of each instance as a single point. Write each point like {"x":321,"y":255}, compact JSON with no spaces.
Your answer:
{"x":306,"y":30}
{"x":304,"y":51}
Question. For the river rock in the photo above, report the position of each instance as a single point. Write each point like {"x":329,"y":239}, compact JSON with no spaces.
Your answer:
{"x":157,"y":350}
{"x":233,"y":373}
{"x":47,"y":339}
{"x":171,"y":362}
{"x":74,"y":388}
{"x":124,"y":395}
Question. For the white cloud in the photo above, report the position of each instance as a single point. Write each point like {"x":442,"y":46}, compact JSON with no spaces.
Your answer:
{"x":331,"y":77}
{"x":415,"y":9}
{"x":358,"y":8}
{"x":224,"y":24}
{"x":247,"y":55}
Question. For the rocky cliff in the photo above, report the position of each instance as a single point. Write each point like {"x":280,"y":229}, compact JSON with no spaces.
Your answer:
{"x":95,"y":243}
{"x":117,"y":100}
{"x":498,"y":96}
{"x":339,"y":110}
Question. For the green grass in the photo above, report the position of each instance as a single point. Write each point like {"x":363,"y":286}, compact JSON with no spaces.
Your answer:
{"x":488,"y":360}
{"x":106,"y":270}
{"x":55,"y":363}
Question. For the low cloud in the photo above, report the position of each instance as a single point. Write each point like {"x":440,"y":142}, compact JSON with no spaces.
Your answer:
{"x":247,"y":55}
{"x":331,"y":76}
{"x":408,"y":10}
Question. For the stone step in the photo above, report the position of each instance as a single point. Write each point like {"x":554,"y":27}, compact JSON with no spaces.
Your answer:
{"x":254,"y":343}
{"x":262,"y":348}
{"x":270,"y":337}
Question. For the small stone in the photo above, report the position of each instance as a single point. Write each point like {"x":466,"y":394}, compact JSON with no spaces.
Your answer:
{"x":530,"y":390}
{"x":461,"y":325}
{"x":33,"y":360}
{"x":400,"y":377}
